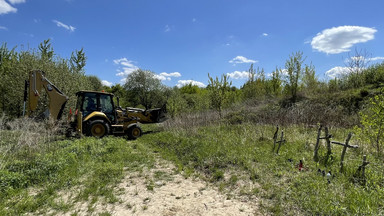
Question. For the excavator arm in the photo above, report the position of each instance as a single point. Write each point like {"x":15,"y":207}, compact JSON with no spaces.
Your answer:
{"x":57,"y":100}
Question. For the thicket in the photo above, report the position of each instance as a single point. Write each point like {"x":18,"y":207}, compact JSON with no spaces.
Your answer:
{"x":67,"y":74}
{"x":217,"y":145}
{"x":293,"y":95}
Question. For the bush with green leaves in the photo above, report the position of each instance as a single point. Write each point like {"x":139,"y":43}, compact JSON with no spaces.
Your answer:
{"x":219,"y":92}
{"x":372,"y":122}
{"x":15,"y":65}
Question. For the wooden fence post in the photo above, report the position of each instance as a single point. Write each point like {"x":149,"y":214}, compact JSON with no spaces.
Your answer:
{"x":346,"y":145}
{"x":344,"y":151}
{"x":275,"y":138}
{"x":317,"y":146}
{"x":328,"y":139}
{"x":280,"y":142}
{"x":362,"y":169}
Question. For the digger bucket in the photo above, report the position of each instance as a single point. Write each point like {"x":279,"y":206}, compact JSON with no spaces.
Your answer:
{"x":158,"y":114}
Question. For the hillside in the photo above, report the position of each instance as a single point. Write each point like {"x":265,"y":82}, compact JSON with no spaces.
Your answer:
{"x":224,"y":150}
{"x":187,"y":166}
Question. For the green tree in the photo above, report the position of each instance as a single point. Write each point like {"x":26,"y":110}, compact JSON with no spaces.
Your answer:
{"x":78,"y":60}
{"x":219,"y":92}
{"x":46,"y":50}
{"x":145,"y":88}
{"x":15,"y":66}
{"x":372,"y":122}
{"x":176,"y":104}
{"x":95,"y":83}
{"x":190,"y":89}
{"x":333,"y":85}
{"x":310,"y":81}
{"x":276,"y":82}
{"x":294,"y":69}
{"x":256,"y":86}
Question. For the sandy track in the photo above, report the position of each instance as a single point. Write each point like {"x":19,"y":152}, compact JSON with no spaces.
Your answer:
{"x":159,"y":191}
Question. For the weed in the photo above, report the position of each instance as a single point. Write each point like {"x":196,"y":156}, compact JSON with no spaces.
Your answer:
{"x":150,"y":185}
{"x":128,"y":206}
{"x":213,"y":150}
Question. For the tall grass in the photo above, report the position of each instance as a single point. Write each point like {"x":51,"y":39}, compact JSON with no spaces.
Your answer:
{"x":26,"y":135}
{"x":221,"y":150}
{"x":36,"y":164}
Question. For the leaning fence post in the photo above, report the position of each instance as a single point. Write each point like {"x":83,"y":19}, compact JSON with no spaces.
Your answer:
{"x":344,"y":151}
{"x":280,"y":142}
{"x":317,"y":146}
{"x":275,"y":138}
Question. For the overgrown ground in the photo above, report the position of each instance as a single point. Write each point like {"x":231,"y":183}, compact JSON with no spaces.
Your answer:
{"x":219,"y":153}
{"x":75,"y":176}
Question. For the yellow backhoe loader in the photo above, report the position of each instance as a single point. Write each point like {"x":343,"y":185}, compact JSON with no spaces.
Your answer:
{"x":96,"y":114}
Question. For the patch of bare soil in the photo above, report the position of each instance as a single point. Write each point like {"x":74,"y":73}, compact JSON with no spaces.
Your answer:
{"x":162,"y":191}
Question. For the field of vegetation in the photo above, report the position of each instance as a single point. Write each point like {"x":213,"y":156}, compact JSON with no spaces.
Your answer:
{"x":220,"y":134}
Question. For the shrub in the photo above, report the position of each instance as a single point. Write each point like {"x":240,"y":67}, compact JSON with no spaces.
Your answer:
{"x":372,"y":122}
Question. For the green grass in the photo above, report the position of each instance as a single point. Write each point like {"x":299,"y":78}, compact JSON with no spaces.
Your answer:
{"x":95,"y":165}
{"x":230,"y":156}
{"x":216,"y":150}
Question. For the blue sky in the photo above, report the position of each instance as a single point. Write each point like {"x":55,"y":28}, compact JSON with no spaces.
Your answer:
{"x":184,"y":40}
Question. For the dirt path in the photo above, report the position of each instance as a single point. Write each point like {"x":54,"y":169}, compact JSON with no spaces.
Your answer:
{"x":160,"y":191}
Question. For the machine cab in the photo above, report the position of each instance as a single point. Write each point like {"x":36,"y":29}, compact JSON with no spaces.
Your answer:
{"x":91,"y":101}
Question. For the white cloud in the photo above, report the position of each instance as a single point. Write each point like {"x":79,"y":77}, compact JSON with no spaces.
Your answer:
{"x":68,"y":27}
{"x":162,"y":78}
{"x":125,"y":67}
{"x":363,"y":60}
{"x":379,"y":58}
{"x":124,"y":62}
{"x":341,"y":39}
{"x":6,"y":8}
{"x":282,"y":72}
{"x":241,"y":60}
{"x":167,"y":76}
{"x":182,"y":83}
{"x":338,"y":72}
{"x":174,"y":74}
{"x":265,"y":34}
{"x":16,"y":1}
{"x":106,"y":83}
{"x":239,"y":75}
{"x":3,"y":28}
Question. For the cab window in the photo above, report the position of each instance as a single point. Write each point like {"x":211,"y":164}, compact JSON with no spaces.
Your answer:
{"x":106,"y":106}
{"x":89,"y":104}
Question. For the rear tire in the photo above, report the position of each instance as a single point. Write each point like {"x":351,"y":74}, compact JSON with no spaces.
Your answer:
{"x":98,"y":128}
{"x":134,"y":132}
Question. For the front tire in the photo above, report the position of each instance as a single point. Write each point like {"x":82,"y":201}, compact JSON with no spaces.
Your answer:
{"x":98,"y":128}
{"x":134,"y":132}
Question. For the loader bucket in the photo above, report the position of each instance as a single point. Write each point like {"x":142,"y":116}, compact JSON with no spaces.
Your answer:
{"x":158,"y":114}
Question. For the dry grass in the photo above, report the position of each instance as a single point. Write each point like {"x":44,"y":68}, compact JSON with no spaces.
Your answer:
{"x":25,"y":134}
{"x":192,"y":120}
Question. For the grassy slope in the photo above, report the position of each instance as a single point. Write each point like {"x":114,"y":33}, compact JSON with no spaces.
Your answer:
{"x":217,"y":150}
{"x":222,"y":154}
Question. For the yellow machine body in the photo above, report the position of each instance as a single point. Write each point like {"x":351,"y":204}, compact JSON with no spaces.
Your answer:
{"x":96,"y":113}
{"x":57,"y":100}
